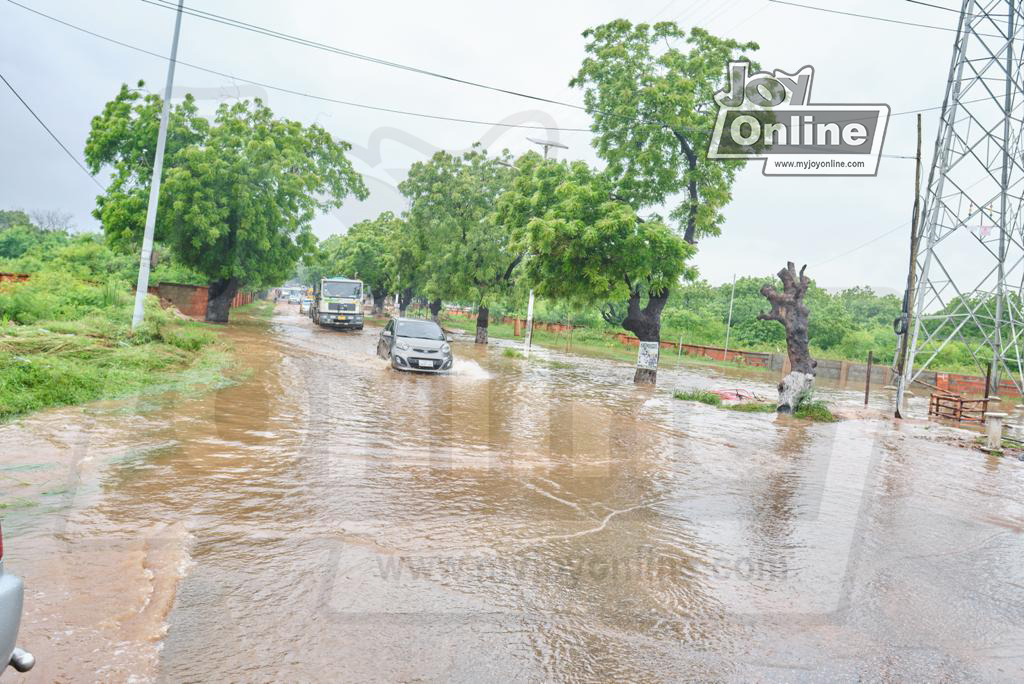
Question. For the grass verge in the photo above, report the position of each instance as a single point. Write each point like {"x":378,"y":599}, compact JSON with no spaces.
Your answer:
{"x":88,"y":351}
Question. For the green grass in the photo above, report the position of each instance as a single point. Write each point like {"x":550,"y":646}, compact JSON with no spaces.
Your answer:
{"x":512,"y":353}
{"x":703,"y":396}
{"x":91,"y":352}
{"x":258,"y":308}
{"x":817,"y":411}
{"x":752,"y":407}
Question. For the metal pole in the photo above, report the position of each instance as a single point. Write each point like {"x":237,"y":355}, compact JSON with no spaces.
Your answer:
{"x":936,"y":181}
{"x":142,"y":286}
{"x":529,"y":324}
{"x":679,"y":354}
{"x":728,"y":326}
{"x":867,"y":382}
{"x":1008,"y":161}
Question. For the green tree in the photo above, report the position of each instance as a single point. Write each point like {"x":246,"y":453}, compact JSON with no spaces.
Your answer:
{"x":653,"y":107}
{"x":365,"y":252}
{"x":466,"y":253}
{"x":590,"y":247}
{"x":239,"y":192}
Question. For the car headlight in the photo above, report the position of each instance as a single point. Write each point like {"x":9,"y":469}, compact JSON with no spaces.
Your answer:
{"x":446,"y":348}
{"x":401,"y":345}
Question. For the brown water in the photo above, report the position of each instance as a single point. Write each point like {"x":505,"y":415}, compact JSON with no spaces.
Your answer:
{"x":329,"y":519}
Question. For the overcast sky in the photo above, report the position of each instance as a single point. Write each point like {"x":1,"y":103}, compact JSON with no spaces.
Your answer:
{"x":67,"y":76}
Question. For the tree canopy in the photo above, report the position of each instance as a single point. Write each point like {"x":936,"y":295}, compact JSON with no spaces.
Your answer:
{"x":239,"y":192}
{"x":652,"y":101}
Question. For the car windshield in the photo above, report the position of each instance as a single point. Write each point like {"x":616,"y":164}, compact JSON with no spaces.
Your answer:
{"x":423,"y":330}
{"x":350,"y":290}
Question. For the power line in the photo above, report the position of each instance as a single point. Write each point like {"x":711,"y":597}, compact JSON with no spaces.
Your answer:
{"x":298,"y":40}
{"x":885,"y":19}
{"x":348,"y":103}
{"x":862,"y":246}
{"x":52,"y":134}
{"x":291,"y":91}
{"x":928,"y":4}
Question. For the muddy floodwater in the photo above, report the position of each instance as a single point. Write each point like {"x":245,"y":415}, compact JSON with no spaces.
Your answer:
{"x":325,"y":518}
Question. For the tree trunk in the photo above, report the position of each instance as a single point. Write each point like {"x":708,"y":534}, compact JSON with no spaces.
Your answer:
{"x":404,"y":297}
{"x":435,"y":311}
{"x":218,"y":302}
{"x":645,"y":323}
{"x":482,"y":315}
{"x":788,"y":308}
{"x":378,"y":302}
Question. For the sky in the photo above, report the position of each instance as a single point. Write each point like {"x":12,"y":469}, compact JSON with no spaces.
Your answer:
{"x":532,"y":47}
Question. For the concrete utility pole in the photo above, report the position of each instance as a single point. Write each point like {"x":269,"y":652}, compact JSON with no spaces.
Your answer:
{"x":546,"y":144}
{"x":908,"y":298}
{"x":145,"y":257}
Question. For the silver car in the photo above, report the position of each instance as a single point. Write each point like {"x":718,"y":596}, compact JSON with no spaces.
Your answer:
{"x":11,"y":597}
{"x":415,"y":345}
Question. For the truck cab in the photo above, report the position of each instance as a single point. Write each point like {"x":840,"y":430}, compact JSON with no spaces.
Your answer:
{"x":338,"y":303}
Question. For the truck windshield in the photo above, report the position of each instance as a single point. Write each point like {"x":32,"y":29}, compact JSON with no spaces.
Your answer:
{"x":422,"y":330}
{"x":351,"y":290}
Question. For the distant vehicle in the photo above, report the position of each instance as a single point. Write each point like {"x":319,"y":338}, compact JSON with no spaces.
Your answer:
{"x":338,"y":302}
{"x":306,"y":305}
{"x":416,"y":345}
{"x":11,"y":598}
{"x":294,"y":298}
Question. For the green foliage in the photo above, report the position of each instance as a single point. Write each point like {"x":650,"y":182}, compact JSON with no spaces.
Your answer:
{"x":67,"y":341}
{"x":752,"y":407}
{"x":817,"y":411}
{"x":463,"y":252}
{"x":652,"y":100}
{"x":238,"y":193}
{"x":511,"y":353}
{"x":703,"y":396}
{"x":367,"y":252}
{"x":588,"y":247}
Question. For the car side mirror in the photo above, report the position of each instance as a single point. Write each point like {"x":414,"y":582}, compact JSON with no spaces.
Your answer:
{"x":385,"y":333}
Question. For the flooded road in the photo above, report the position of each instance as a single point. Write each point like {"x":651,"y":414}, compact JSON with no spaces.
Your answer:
{"x":328,"y":519}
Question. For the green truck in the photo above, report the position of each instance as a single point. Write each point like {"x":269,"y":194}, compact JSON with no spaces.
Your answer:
{"x":338,"y":303}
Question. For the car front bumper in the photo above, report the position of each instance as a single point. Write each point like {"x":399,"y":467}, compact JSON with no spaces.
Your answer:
{"x":410,"y":361}
{"x":11,"y":599}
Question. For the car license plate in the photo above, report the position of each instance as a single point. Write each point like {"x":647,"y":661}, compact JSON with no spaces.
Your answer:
{"x":425,"y":363}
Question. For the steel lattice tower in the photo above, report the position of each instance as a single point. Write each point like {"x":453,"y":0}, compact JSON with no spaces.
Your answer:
{"x":970,"y":266}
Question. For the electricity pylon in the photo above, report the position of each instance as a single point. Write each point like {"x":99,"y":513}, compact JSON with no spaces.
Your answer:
{"x":970,"y":267}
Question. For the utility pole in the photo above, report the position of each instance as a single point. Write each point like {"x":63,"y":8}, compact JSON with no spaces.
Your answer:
{"x":546,"y":144}
{"x":908,"y":296}
{"x":142,"y":287}
{"x":728,"y":326}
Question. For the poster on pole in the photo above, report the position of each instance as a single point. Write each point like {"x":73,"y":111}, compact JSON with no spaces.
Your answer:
{"x":647,"y":355}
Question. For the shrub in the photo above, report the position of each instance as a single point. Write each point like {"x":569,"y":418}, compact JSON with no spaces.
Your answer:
{"x":817,"y":411}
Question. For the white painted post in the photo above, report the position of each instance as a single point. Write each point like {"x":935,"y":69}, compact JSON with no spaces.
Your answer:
{"x":994,"y":430}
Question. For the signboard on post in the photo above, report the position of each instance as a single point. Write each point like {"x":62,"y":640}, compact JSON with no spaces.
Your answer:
{"x":647,"y":355}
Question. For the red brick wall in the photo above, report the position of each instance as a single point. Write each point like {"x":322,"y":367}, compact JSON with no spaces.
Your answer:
{"x":971,"y":386}
{"x":13,"y":277}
